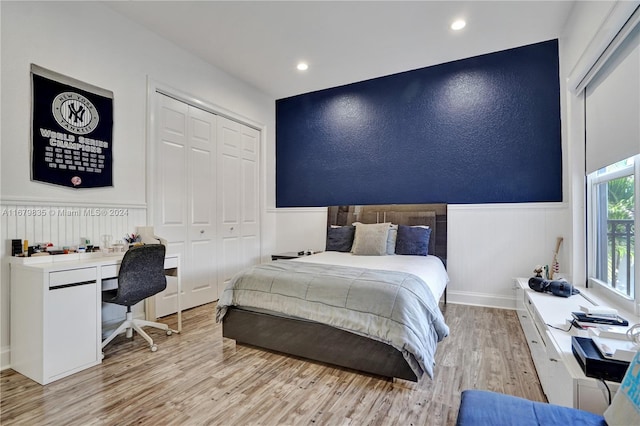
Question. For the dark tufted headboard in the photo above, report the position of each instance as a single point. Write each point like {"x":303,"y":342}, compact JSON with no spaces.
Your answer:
{"x":432,"y":215}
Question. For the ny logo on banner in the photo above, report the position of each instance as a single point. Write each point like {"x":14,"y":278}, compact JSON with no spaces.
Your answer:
{"x":75,"y":113}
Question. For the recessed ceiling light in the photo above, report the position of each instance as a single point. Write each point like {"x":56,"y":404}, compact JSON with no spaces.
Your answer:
{"x":302,"y":66}
{"x":458,"y":24}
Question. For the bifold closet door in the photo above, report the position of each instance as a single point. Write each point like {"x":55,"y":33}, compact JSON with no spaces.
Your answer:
{"x":184,"y":208}
{"x":238,"y":198}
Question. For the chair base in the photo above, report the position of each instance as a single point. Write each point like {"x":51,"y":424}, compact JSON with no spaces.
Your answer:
{"x":130,"y":324}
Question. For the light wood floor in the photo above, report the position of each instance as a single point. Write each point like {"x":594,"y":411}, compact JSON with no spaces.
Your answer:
{"x":199,"y":378}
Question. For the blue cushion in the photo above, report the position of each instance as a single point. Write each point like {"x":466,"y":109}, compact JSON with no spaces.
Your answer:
{"x":340,"y":239}
{"x":413,"y":240}
{"x":479,"y":408}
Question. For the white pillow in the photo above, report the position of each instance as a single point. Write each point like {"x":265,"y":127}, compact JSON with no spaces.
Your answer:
{"x":370,"y":239}
{"x":625,"y":407}
{"x":391,"y":239}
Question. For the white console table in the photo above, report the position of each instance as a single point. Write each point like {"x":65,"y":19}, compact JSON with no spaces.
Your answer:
{"x":562,"y":379}
{"x":56,"y":324}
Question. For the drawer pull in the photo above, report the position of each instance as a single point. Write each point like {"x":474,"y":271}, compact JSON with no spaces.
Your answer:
{"x":534,"y":341}
{"x":72,"y":285}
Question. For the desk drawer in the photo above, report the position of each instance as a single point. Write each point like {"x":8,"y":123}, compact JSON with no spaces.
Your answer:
{"x":109,"y":271}
{"x":170,"y":262}
{"x":72,"y":276}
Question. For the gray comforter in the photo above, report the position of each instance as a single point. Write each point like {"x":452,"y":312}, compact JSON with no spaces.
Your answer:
{"x":396,"y":308}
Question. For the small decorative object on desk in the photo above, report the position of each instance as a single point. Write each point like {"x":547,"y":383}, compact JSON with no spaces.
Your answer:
{"x":555,"y":265}
{"x":538,"y":271}
{"x":131,"y":239}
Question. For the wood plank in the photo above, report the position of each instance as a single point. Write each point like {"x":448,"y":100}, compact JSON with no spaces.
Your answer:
{"x":199,"y":377}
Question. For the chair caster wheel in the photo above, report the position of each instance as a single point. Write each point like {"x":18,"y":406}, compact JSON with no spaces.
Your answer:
{"x":154,"y":348}
{"x":169,"y":332}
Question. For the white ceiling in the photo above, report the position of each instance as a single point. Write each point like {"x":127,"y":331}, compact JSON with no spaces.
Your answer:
{"x":261,"y":42}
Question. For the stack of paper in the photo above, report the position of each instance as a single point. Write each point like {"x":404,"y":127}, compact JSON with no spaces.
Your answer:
{"x":609,"y":332}
{"x":599,"y":311}
{"x":617,"y":346}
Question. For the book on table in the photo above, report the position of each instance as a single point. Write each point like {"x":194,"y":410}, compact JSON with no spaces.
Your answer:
{"x":590,"y":320}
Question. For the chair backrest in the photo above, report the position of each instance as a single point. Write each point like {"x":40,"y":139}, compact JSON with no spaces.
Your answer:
{"x":141,"y":274}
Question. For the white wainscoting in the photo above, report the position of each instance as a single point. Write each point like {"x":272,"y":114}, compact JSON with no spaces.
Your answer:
{"x":62,"y":225}
{"x":489,"y":245}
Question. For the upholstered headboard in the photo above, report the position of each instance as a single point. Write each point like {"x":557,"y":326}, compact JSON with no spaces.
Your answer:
{"x":432,"y":215}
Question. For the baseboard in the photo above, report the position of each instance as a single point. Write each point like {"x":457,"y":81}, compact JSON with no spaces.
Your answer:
{"x":481,"y":299}
{"x":5,"y":358}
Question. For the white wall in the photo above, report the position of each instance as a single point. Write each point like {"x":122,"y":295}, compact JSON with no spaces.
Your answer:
{"x":490,"y":245}
{"x":90,"y":42}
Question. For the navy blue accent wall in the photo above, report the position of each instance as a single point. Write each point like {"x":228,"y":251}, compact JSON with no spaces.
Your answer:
{"x":479,"y":130}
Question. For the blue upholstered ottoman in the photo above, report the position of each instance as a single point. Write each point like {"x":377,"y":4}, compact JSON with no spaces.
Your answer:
{"x":479,"y":408}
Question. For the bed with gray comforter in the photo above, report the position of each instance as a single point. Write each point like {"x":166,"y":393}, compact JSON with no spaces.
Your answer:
{"x":395,"y":308}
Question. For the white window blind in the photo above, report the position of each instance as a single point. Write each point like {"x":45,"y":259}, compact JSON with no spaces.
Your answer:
{"x":613,"y":107}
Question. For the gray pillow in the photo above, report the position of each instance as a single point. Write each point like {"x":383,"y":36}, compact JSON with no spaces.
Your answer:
{"x":413,"y":240}
{"x":370,"y":239}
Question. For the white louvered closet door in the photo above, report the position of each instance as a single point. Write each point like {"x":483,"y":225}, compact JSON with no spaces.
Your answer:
{"x":184,"y":210}
{"x":238,"y":198}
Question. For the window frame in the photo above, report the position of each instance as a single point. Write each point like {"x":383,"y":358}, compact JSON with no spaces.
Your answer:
{"x":603,"y":288}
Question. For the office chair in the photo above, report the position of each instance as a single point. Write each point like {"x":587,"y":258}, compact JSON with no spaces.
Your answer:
{"x":141,"y":276}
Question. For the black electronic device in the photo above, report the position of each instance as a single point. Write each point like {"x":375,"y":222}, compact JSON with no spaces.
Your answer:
{"x":594,"y":364}
{"x":16,"y":247}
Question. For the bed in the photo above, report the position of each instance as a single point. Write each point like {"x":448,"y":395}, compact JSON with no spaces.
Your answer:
{"x":376,"y":313}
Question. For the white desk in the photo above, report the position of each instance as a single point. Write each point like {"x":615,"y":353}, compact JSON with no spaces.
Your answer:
{"x":56,"y":324}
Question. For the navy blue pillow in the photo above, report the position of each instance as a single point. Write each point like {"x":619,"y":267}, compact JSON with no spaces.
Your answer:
{"x":340,"y":239}
{"x":413,"y":240}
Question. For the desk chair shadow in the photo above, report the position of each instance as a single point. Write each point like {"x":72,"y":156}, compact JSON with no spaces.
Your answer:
{"x":141,"y":276}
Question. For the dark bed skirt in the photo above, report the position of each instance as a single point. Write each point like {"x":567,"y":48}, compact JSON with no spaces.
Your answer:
{"x":319,"y":342}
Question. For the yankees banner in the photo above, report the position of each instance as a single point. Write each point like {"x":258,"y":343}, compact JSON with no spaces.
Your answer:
{"x":72,"y":126}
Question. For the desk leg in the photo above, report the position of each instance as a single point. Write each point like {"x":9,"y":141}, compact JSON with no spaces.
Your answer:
{"x":179,"y":301}
{"x":175,"y":272}
{"x":150,"y":309}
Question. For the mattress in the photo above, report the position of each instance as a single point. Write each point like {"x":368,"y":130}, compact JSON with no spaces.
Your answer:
{"x":428,"y":268}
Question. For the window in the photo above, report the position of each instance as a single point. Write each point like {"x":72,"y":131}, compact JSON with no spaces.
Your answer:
{"x":612,"y":236}
{"x":612,"y":133}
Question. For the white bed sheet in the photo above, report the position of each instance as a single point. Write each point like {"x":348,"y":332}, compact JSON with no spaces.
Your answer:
{"x":428,"y":268}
